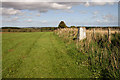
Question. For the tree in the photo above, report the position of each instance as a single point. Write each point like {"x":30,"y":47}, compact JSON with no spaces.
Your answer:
{"x":62,"y":25}
{"x":72,"y":26}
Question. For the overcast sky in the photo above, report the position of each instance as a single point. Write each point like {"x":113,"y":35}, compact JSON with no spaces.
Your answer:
{"x":49,"y":14}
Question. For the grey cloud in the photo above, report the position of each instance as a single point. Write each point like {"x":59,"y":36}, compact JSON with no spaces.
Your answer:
{"x":9,"y":19}
{"x":40,"y":6}
{"x":10,"y":11}
{"x":59,"y":0}
{"x":14,"y":8}
{"x":45,"y":6}
{"x":108,"y":18}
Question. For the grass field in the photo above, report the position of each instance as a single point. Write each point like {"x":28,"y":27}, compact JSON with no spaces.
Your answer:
{"x":39,"y":55}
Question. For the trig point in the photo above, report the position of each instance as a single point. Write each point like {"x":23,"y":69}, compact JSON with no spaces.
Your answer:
{"x":81,"y":33}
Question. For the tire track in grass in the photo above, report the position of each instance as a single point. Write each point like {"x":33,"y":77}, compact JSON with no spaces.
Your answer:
{"x":12,"y":44}
{"x":68,"y":65}
{"x":45,"y":57}
{"x":11,"y":53}
{"x":36,"y":56}
{"x":40,"y":58}
{"x":64,"y":62}
{"x":19,"y":60}
{"x":34,"y":43}
{"x":13,"y":69}
{"x":6,"y":57}
{"x":16,"y":45}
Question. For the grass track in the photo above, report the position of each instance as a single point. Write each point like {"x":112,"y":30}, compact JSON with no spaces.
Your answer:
{"x":38,"y":55}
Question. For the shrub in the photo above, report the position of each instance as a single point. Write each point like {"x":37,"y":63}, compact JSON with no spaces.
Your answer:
{"x":62,"y":25}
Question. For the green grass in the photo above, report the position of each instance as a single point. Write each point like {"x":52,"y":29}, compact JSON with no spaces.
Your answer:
{"x":40,"y":55}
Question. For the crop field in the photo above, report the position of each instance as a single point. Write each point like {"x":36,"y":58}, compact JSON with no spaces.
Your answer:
{"x":40,"y":55}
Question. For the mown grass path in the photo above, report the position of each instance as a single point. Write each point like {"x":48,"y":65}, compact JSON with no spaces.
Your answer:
{"x":38,"y":55}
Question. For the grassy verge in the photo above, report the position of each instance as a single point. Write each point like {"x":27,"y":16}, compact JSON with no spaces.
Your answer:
{"x":97,"y":52}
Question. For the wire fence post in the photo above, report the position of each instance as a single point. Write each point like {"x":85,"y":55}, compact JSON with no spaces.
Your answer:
{"x":78,"y":37}
{"x":109,"y":35}
{"x":94,"y":33}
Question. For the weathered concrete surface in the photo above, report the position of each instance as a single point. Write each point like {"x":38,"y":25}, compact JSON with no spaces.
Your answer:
{"x":81,"y":33}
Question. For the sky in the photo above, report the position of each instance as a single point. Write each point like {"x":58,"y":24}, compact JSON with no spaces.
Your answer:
{"x":49,"y":14}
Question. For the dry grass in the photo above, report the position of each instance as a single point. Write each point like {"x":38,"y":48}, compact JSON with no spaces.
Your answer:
{"x":102,"y":53}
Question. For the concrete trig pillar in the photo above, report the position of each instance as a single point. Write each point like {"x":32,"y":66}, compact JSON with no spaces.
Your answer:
{"x":81,"y":33}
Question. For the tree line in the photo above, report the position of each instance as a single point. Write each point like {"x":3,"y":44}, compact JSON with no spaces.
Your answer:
{"x":47,"y":29}
{"x":34,"y":29}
